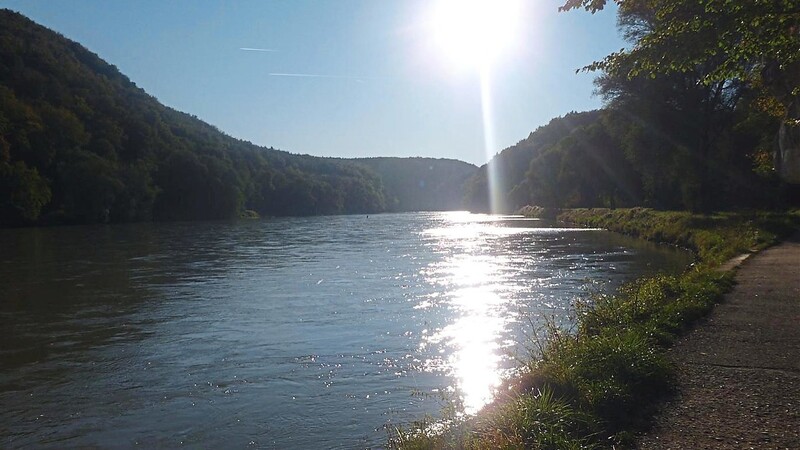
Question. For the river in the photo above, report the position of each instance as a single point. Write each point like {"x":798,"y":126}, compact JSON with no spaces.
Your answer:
{"x":282,"y":333}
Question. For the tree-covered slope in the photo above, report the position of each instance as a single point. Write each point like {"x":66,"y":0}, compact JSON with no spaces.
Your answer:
{"x":81,"y":143}
{"x":693,"y":119}
{"x":421,"y":184}
{"x":510,"y":166}
{"x":641,"y":150}
{"x":684,"y":139}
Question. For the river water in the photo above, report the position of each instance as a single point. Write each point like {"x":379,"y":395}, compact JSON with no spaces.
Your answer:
{"x":285,"y":333}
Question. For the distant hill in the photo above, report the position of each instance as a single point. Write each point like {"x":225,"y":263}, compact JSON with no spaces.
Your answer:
{"x":421,"y":184}
{"x":511,"y":165}
{"x":81,"y":143}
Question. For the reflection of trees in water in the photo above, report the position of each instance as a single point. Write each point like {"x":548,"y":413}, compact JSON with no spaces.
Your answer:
{"x":67,"y":290}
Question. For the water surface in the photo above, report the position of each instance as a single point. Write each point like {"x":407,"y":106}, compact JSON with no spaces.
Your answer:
{"x":285,"y":333}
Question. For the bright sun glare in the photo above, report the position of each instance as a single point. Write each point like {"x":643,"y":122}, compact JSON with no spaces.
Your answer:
{"x":475,"y":33}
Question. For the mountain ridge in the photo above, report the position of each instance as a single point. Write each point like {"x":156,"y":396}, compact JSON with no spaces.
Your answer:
{"x":82,"y":143}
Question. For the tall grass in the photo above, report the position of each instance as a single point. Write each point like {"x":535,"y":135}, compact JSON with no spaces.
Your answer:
{"x":598,"y":385}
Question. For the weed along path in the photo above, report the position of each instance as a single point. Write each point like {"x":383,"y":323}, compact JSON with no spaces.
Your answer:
{"x":739,"y":373}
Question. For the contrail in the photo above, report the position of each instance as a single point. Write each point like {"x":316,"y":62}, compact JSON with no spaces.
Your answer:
{"x":251,"y":49}
{"x":317,"y":75}
{"x":312,"y":75}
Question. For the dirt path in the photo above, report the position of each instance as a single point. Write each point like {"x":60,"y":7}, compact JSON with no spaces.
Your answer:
{"x":739,"y":376}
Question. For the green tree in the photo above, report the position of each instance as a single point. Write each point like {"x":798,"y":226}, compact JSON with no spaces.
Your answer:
{"x":754,"y":41}
{"x":23,"y":193}
{"x":511,"y":184}
{"x":585,"y":169}
{"x":87,"y":189}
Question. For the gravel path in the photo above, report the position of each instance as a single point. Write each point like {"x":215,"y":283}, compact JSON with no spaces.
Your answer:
{"x":739,"y":373}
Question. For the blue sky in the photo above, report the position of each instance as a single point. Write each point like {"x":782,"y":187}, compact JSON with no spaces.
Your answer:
{"x":384,"y":89}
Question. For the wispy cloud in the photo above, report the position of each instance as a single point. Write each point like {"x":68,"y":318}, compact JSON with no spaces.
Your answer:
{"x":252,"y":49}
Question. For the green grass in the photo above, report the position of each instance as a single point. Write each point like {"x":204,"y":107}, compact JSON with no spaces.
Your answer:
{"x":714,"y":238}
{"x":598,"y":386}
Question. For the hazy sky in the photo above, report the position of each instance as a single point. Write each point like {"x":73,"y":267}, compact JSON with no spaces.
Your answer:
{"x":375,"y":83}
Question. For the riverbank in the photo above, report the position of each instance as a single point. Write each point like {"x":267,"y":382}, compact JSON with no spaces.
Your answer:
{"x":601,"y":384}
{"x":714,"y":238}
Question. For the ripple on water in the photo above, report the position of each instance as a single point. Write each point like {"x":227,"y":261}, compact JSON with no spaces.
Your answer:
{"x":284,"y":333}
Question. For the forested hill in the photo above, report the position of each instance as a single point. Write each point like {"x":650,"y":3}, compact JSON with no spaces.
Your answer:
{"x":694,"y":118}
{"x":642,"y":150}
{"x":510,"y":166}
{"x":81,"y":143}
{"x":421,"y":184}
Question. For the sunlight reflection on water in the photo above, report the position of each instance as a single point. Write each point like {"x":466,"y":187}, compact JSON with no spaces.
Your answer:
{"x":221,"y":334}
{"x":477,"y":286}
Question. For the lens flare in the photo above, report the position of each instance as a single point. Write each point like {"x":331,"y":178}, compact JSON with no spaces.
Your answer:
{"x":475,"y":35}
{"x":493,"y":175}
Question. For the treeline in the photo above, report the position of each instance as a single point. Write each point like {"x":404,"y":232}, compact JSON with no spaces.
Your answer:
{"x":421,"y":184}
{"x":509,"y":168}
{"x":677,"y":140}
{"x":81,"y":143}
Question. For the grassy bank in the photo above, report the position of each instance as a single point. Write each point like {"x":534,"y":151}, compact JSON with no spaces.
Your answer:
{"x":597,"y":386}
{"x":714,"y":238}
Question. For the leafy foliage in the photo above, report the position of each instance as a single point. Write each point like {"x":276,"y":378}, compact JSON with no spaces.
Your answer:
{"x":672,"y":139}
{"x":755,"y":43}
{"x":741,"y":39}
{"x":23,"y":193}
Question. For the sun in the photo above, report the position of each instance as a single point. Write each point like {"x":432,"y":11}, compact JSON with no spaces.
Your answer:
{"x":475,"y":33}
